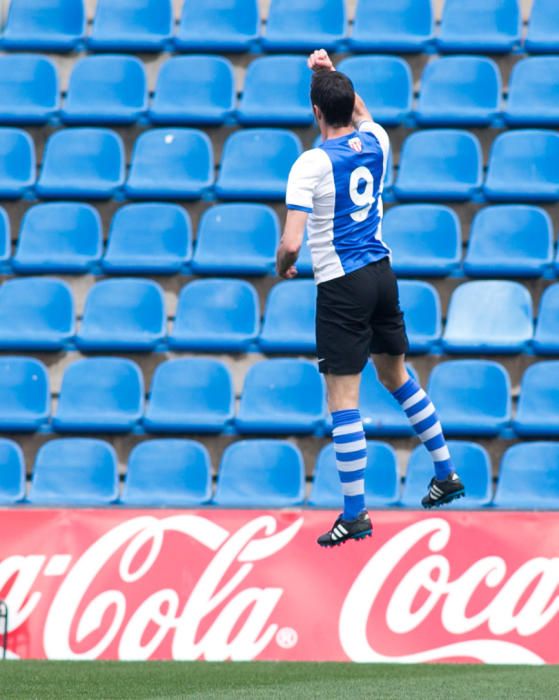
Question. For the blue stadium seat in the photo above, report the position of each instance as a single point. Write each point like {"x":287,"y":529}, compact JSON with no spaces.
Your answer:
{"x":543,"y":28}
{"x":382,"y":482}
{"x":522,"y":166}
{"x":181,"y":479}
{"x":473,"y":397}
{"x":190,"y":395}
{"x":106,"y":90}
{"x":529,"y":477}
{"x":194,"y":90}
{"x":439,"y":164}
{"x":480,"y":26}
{"x":63,"y":237}
{"x":546,"y":338}
{"x":493,"y":316}
{"x":538,"y":405}
{"x":533,"y":97}
{"x":28,"y":89}
{"x":470,"y":460}
{"x":384,"y":83}
{"x":17,"y":166}
{"x":171,"y":164}
{"x":36,"y":313}
{"x":132,"y":25}
{"x":510,"y":240}
{"x":399,"y":26}
{"x":305,"y":25}
{"x":75,"y":472}
{"x":12,"y":473}
{"x":82,"y":162}
{"x":237,"y":239}
{"x":218,"y":25}
{"x":256,"y":163}
{"x":260,"y":473}
{"x":276,"y":91}
{"x":425,"y":239}
{"x":459,"y":91}
{"x":282,"y":396}
{"x":44,"y":25}
{"x":5,"y":240}
{"x":123,"y":315}
{"x":104,"y":394}
{"x":24,"y":394}
{"x":422,"y":310}
{"x":216,"y":315}
{"x":149,"y":238}
{"x":289,"y":319}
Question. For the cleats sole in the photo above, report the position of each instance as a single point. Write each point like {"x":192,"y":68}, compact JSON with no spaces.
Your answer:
{"x":445,"y":500}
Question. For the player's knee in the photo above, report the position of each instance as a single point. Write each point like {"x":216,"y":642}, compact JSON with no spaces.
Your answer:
{"x":392,"y":378}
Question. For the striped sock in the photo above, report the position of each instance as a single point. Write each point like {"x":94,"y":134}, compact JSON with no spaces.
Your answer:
{"x":421,"y":413}
{"x":351,"y":459}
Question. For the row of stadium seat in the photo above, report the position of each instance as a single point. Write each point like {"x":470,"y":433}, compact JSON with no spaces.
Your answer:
{"x":234,"y":25}
{"x":280,"y":396}
{"x":178,"y":163}
{"x":220,"y":315}
{"x":265,"y":474}
{"x":192,"y":90}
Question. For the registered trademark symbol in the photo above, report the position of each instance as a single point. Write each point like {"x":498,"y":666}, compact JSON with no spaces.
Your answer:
{"x":287,"y":638}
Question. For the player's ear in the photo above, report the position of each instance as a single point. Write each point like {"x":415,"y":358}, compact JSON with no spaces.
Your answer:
{"x":317,"y":113}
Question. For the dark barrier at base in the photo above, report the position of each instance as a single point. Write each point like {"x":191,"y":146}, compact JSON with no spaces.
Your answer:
{"x":4,"y":624}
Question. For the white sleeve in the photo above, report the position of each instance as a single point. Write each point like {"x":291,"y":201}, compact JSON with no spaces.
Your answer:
{"x":304,"y":177}
{"x":382,"y":137}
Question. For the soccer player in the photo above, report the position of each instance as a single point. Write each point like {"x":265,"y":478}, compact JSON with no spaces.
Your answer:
{"x":335,"y":192}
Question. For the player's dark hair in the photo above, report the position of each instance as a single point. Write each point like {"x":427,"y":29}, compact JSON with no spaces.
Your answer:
{"x":332,"y":92}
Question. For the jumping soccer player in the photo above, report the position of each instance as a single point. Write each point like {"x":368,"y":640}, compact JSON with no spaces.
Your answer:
{"x":335,"y":191}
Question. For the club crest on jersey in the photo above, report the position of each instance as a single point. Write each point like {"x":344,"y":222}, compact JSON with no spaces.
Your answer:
{"x":356,"y":144}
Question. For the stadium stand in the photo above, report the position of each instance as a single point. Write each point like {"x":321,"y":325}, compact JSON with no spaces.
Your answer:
{"x":543,"y":28}
{"x":491,"y":26}
{"x":534,"y":92}
{"x":305,"y":25}
{"x":399,"y":26}
{"x":44,"y":25}
{"x":5,"y":247}
{"x":29,"y":90}
{"x":218,"y":25}
{"x":546,"y":337}
{"x":529,"y":477}
{"x":538,"y":405}
{"x":12,"y":473}
{"x":422,"y":310}
{"x":17,"y":167}
{"x":24,"y":394}
{"x":283,"y":331}
{"x":142,"y":25}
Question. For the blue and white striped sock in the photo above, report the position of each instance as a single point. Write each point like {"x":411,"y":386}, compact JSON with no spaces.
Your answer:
{"x":351,"y":459}
{"x":421,"y":413}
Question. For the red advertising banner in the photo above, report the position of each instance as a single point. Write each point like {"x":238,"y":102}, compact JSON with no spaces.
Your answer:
{"x":240,"y":585}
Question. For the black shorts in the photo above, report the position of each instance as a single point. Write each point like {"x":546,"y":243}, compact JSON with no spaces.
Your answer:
{"x":357,"y":315}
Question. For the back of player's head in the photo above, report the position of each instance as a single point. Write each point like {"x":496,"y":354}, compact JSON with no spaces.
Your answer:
{"x":332,"y":92}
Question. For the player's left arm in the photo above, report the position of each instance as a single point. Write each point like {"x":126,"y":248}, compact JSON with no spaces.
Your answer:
{"x":290,"y":243}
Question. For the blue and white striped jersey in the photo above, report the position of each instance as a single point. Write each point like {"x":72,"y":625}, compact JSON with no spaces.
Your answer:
{"x":340,"y":185}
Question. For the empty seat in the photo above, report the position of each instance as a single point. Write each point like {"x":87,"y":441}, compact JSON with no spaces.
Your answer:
{"x":28,"y":89}
{"x":380,"y":412}
{"x":123,"y":315}
{"x":546,"y":339}
{"x":382,"y":482}
{"x":106,"y":90}
{"x":36,"y":314}
{"x":510,"y":240}
{"x":256,"y":164}
{"x":289,"y":319}
{"x":260,"y":473}
{"x":282,"y":396}
{"x":480,"y":26}
{"x":75,"y":472}
{"x":44,"y":25}
{"x":132,"y":25}
{"x":538,"y":405}
{"x":422,"y":310}
{"x":471,"y":462}
{"x":193,"y":90}
{"x":5,"y":239}
{"x":171,"y":164}
{"x":149,"y":238}
{"x":190,"y":395}
{"x":543,"y":27}
{"x":216,"y":316}
{"x":218,"y":25}
{"x":169,"y":473}
{"x":472,"y":396}
{"x":384,"y":83}
{"x":522,"y":166}
{"x":399,"y":26}
{"x":459,"y":91}
{"x":12,"y":473}
{"x":305,"y":25}
{"x":104,"y":394}
{"x":17,"y":164}
{"x":82,"y":162}
{"x":439,"y":165}
{"x":425,"y":239}
{"x":237,"y":239}
{"x":493,"y":316}
{"x":529,"y":477}
{"x":533,"y":97}
{"x":24,"y":394}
